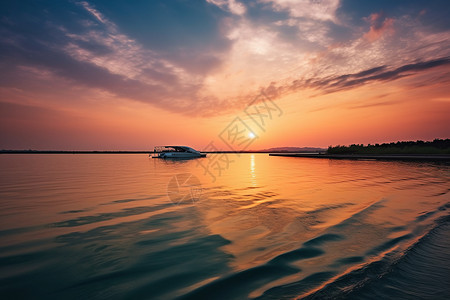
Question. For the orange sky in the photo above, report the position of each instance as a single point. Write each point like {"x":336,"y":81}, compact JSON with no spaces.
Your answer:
{"x":337,"y":75}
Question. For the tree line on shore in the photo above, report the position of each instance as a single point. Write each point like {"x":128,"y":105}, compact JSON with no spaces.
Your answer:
{"x":437,"y":146}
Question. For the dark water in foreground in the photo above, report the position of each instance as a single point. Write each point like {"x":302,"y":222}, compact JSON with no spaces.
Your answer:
{"x":118,"y":227}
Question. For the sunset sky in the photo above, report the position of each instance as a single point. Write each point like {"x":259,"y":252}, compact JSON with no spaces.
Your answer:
{"x":131,"y":75}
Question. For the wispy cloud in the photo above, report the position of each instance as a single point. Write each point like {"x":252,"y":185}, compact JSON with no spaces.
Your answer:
{"x":101,"y":57}
{"x":232,"y":6}
{"x":319,"y":10}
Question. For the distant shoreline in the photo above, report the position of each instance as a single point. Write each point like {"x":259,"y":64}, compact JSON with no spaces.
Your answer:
{"x":435,"y":147}
{"x":409,"y":157}
{"x":404,"y":157}
{"x":70,"y":152}
{"x":124,"y":152}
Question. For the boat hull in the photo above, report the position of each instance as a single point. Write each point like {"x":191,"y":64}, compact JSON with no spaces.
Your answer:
{"x":174,"y":155}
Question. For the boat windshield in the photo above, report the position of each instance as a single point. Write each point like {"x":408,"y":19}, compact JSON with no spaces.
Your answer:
{"x":174,"y":149}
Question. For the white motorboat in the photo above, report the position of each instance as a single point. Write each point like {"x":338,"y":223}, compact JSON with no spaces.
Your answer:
{"x":183,"y":152}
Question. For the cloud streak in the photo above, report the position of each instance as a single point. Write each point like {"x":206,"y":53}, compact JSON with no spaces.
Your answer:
{"x":381,"y":74}
{"x":334,"y":84}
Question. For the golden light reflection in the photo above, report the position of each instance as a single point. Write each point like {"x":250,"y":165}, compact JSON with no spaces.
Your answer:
{"x":252,"y":169}
{"x":343,"y":209}
{"x":273,"y":208}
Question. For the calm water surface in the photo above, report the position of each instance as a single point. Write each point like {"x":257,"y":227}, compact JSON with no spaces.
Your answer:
{"x":132,"y":227}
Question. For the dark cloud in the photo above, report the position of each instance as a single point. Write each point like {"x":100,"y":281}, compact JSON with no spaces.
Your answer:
{"x":349,"y":81}
{"x":44,"y":58}
{"x":344,"y":79}
{"x":381,"y":73}
{"x":62,"y":65}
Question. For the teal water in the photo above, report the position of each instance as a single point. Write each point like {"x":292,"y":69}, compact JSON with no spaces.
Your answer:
{"x":131,"y":227}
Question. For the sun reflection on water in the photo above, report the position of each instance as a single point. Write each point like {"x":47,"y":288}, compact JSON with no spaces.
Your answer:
{"x":252,"y":170}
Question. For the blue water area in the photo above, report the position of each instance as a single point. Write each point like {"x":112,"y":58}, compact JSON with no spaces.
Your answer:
{"x":131,"y":227}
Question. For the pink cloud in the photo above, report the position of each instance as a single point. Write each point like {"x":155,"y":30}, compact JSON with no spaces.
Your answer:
{"x":379,"y":26}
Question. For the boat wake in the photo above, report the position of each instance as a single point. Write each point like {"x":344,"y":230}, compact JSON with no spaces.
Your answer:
{"x":386,"y":270}
{"x":420,"y":273}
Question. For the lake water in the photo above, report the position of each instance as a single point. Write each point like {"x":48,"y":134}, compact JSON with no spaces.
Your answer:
{"x":132,"y":227}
